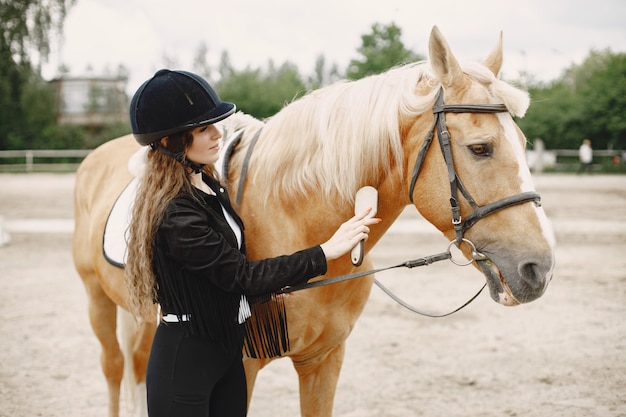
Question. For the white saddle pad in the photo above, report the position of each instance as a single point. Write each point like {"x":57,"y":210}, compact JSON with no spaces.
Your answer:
{"x":116,"y":229}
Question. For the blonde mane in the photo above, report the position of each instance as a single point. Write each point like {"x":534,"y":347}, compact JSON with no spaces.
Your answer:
{"x":336,"y":139}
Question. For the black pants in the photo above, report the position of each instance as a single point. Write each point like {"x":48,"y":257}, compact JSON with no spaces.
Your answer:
{"x":585,"y":167}
{"x":193,"y":377}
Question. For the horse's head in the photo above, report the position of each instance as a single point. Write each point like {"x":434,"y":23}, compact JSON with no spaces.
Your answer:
{"x":477,"y":163}
{"x":335,"y":140}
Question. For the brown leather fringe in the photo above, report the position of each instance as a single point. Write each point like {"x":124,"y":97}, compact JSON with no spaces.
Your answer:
{"x":267,"y":334}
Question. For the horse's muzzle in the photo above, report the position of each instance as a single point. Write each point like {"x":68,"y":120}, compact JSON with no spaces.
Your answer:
{"x":512,"y":284}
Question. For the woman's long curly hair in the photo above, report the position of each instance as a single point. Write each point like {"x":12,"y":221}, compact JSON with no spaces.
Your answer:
{"x":164,"y":178}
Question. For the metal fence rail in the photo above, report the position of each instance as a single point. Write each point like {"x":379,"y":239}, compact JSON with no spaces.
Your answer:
{"x":567,"y":159}
{"x":56,"y":159}
{"x":31,"y":159}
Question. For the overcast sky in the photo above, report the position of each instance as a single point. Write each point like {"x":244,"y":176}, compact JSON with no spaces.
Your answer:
{"x":541,"y":37}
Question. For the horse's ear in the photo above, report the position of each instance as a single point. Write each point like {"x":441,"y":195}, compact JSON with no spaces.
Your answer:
{"x":442,"y":61}
{"x":494,"y":60}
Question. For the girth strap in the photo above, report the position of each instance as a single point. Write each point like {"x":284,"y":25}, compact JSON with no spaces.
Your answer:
{"x":244,"y":167}
{"x":231,"y":144}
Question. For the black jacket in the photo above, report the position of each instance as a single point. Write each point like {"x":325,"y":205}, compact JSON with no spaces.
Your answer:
{"x":201,"y":271}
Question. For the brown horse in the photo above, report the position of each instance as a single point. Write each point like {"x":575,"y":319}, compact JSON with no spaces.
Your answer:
{"x":302,"y":175}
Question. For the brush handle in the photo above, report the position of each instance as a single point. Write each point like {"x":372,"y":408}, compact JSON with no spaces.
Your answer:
{"x":365,"y":197}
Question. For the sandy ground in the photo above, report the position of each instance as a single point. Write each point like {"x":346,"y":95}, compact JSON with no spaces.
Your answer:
{"x":562,"y":355}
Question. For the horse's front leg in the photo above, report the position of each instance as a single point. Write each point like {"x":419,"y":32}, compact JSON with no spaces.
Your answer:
{"x":318,"y":376}
{"x":252,"y":368}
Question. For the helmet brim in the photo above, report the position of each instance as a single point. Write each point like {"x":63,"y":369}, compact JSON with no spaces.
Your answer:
{"x":221,"y":112}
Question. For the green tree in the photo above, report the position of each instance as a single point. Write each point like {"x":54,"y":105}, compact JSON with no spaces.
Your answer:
{"x":200,"y":64}
{"x":323,"y":76}
{"x":601,"y":94}
{"x":25,"y":32}
{"x":587,"y":101}
{"x":380,"y":50}
{"x":260,"y":93}
{"x":225,"y":68}
{"x":550,"y":115}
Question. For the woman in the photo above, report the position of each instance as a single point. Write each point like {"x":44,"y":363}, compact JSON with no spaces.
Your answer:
{"x":187,"y":253}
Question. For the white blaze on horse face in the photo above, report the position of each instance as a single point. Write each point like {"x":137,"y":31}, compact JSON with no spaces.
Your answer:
{"x":511,"y":134}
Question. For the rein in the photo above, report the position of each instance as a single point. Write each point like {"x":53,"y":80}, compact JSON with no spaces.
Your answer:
{"x":424,"y":261}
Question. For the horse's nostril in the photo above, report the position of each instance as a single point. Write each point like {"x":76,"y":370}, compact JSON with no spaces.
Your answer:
{"x":532,"y":275}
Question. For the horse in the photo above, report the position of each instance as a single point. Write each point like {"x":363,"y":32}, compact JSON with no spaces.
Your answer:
{"x":295,"y":175}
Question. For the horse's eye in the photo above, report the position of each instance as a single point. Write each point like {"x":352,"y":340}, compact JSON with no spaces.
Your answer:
{"x":480,"y":149}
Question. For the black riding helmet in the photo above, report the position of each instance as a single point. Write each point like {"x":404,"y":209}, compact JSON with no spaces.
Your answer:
{"x":173,"y":101}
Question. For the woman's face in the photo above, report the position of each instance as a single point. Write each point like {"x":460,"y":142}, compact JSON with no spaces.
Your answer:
{"x":205,"y":146}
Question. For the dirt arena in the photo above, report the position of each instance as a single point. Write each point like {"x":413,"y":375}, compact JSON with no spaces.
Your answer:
{"x":563,"y":355}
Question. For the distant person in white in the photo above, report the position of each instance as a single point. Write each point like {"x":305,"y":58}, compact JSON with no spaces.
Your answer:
{"x":585,"y":154}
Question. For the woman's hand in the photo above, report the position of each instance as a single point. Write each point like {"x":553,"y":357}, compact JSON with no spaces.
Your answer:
{"x":349,"y":235}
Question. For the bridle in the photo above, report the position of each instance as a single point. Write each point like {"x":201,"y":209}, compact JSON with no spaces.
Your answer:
{"x":462,"y":225}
